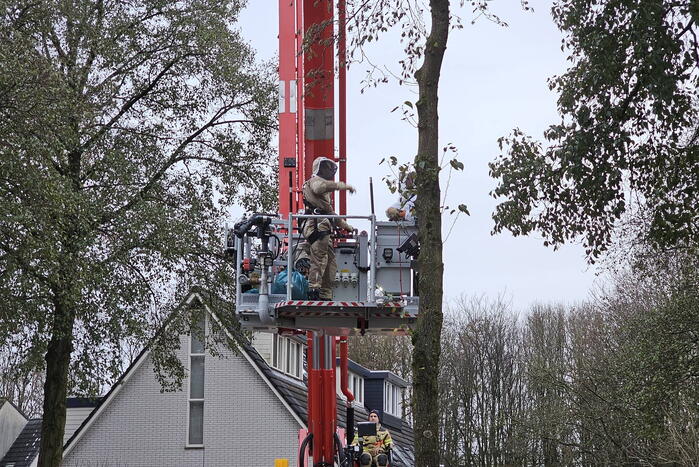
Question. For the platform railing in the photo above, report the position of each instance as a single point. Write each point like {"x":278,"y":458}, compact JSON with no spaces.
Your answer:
{"x":372,"y":250}
{"x":238,"y":269}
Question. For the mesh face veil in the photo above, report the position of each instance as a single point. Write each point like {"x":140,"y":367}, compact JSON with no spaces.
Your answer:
{"x":324,"y":168}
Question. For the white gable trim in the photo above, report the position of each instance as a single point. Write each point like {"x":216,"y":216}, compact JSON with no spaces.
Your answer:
{"x":91,"y":419}
{"x":250,"y":360}
{"x":83,"y":428}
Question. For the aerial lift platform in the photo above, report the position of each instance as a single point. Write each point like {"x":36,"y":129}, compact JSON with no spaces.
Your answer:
{"x":373,"y":290}
{"x":375,"y":287}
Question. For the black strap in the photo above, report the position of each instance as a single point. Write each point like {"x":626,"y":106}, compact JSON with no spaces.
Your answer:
{"x":405,"y":202}
{"x":317,"y":235}
{"x":313,"y":210}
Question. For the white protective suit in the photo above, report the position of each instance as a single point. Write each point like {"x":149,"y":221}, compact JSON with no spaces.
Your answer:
{"x":318,"y":194}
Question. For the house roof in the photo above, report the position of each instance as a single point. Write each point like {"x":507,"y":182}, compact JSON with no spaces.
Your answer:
{"x":26,"y":446}
{"x":375,"y":374}
{"x":293,"y":393}
{"x":388,"y":376}
{"x":82,"y":402}
{"x":4,"y":400}
{"x":136,"y":363}
{"x":355,"y":367}
{"x":296,"y":394}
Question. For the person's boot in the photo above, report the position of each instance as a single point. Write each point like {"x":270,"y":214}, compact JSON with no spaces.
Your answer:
{"x":326,"y":293}
{"x":314,"y":294}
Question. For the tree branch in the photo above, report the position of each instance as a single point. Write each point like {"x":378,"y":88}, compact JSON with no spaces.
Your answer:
{"x":131,"y":102}
{"x":173,"y":159}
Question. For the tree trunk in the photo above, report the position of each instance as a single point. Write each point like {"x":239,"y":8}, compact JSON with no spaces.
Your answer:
{"x":426,"y":337}
{"x":56,"y":386}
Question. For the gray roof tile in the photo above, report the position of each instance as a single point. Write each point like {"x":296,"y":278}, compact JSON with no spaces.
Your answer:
{"x":26,"y":446}
{"x":295,"y":393}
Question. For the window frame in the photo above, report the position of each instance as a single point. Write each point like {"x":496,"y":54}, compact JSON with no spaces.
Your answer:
{"x":393,"y":399}
{"x":356,"y":386}
{"x":190,"y":400}
{"x":288,"y":356}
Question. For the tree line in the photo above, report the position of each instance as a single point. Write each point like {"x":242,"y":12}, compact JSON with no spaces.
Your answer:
{"x":611,"y":381}
{"x":128,"y":129}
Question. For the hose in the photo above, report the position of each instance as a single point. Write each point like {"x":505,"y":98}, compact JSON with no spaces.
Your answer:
{"x":338,"y":449}
{"x":302,"y":449}
{"x":279,"y":246}
{"x":350,"y":423}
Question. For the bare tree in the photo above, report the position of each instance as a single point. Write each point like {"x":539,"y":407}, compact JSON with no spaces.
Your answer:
{"x":481,"y":384}
{"x":21,"y":381}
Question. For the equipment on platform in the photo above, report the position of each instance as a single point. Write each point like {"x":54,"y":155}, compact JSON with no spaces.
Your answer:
{"x":299,"y":285}
{"x":366,"y":429}
{"x":361,"y":269}
{"x":394,"y":266}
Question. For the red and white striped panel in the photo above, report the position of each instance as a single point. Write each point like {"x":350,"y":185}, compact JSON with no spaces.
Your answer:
{"x":390,"y":305}
{"x":318,"y":303}
{"x":305,"y":313}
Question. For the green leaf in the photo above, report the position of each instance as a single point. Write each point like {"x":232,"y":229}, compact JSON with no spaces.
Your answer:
{"x":464,"y":209}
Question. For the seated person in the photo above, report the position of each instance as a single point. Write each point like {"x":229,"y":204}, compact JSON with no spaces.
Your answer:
{"x":375,"y":448}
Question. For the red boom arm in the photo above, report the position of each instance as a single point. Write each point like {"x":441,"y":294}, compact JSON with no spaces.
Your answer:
{"x":306,"y":132}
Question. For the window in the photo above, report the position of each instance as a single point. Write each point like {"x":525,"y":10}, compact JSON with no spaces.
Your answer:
{"x":392,"y":399}
{"x":195,"y":435}
{"x":275,"y":351}
{"x":356,"y":386}
{"x":287,"y":356}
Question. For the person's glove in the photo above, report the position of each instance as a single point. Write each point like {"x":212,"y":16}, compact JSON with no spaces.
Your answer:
{"x":346,"y":186}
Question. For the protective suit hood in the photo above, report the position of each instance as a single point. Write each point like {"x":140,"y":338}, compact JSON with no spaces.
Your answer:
{"x":320,"y":161}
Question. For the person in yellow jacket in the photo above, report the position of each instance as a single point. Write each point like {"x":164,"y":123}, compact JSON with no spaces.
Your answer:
{"x":375,"y":448}
{"x":317,"y":196}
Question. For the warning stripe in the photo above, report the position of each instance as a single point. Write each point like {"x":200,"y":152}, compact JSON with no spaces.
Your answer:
{"x":287,"y":314}
{"x":317,"y":303}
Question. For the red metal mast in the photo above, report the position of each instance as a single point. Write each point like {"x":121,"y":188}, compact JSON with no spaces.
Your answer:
{"x":342,"y":97}
{"x":306,"y":96}
{"x":306,"y":132}
{"x":288,"y":109}
{"x":319,"y":76}
{"x":319,"y":139}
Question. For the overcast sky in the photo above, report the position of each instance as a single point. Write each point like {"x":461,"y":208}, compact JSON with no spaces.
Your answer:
{"x":493,"y":79}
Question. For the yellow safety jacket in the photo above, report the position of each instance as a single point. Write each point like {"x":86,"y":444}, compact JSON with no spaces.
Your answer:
{"x":382,"y":440}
